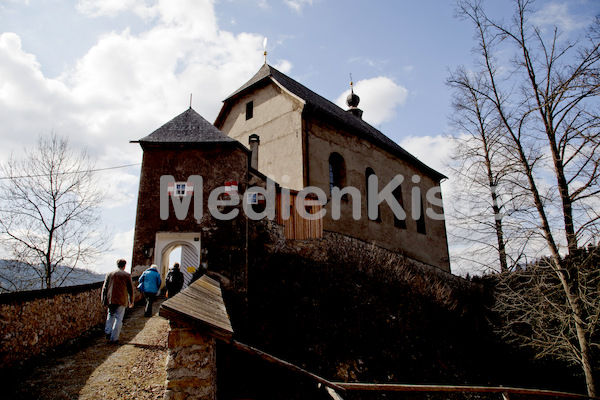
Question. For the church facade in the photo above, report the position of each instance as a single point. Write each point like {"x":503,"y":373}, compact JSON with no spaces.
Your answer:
{"x":306,"y":140}
{"x":275,"y":129}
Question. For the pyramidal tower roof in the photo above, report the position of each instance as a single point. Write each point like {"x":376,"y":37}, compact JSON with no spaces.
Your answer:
{"x":187,"y":127}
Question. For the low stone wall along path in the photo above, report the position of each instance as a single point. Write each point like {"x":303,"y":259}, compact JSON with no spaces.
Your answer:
{"x":133,"y":369}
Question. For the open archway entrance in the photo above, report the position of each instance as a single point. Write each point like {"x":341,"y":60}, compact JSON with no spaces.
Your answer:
{"x":183,"y":248}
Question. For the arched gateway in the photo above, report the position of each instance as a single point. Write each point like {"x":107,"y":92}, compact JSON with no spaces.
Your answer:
{"x":167,"y":242}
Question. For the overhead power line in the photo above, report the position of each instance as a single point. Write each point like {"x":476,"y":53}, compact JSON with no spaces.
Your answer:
{"x":71,"y":172}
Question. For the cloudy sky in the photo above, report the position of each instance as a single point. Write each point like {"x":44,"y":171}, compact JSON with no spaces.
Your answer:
{"x":104,"y":72}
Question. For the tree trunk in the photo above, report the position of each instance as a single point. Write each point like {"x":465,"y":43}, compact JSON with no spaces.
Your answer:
{"x":567,"y":206}
{"x":586,"y":361}
{"x":500,"y":237}
{"x":497,"y":218}
{"x":586,"y":357}
{"x":570,"y":287}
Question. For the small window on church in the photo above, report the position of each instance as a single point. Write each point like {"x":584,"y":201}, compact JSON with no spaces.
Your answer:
{"x":180,"y":189}
{"x":337,"y":171}
{"x":257,"y":201}
{"x":249,"y":110}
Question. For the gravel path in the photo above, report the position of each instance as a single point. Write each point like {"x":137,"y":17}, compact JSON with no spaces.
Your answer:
{"x":134,"y":369}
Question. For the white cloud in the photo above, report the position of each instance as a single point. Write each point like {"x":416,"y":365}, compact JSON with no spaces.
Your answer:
{"x":26,"y":97}
{"x":124,"y":87}
{"x":379,"y":98}
{"x":557,"y":14}
{"x":432,"y":150}
{"x":127,"y":84}
{"x":283,"y":65}
{"x":96,"y":8}
{"x":298,"y":5}
{"x":121,"y":247}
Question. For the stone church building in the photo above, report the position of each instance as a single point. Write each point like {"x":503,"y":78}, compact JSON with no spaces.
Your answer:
{"x":275,"y":129}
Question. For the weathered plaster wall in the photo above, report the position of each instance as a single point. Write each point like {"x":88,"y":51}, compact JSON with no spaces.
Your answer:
{"x":284,"y":135}
{"x":223,"y":241}
{"x":278,"y":121}
{"x":358,"y":154}
{"x":216,"y":164}
{"x":33,"y":322}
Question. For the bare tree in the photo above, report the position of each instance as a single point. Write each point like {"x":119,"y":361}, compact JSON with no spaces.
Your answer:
{"x":487,"y":199}
{"x":546,"y":99}
{"x":536,"y":312}
{"x":49,"y":216}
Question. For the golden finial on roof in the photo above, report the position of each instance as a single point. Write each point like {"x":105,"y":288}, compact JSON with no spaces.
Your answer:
{"x":265,"y":49}
{"x":352,"y":100}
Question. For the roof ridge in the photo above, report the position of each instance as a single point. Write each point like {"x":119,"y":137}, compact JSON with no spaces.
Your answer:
{"x":320,"y":103}
{"x":189,"y":127}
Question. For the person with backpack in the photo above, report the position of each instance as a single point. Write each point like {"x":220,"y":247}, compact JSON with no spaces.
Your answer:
{"x":174,"y":281}
{"x":149,"y":284}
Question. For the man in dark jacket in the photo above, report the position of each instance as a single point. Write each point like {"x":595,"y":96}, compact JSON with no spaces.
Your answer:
{"x":117,"y":294}
{"x":174,"y":280}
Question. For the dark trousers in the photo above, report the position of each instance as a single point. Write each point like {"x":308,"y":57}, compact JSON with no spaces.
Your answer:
{"x":149,"y":301}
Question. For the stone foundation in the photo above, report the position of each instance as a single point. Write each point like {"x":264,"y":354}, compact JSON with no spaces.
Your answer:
{"x":191,"y":365}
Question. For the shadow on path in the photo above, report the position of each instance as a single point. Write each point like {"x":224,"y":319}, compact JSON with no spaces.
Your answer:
{"x":90,"y":368}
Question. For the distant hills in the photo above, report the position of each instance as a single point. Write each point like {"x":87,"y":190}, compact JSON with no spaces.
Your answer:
{"x":18,"y":276}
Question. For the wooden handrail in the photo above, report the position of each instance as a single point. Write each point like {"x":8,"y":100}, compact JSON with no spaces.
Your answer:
{"x":395,"y":387}
{"x":284,"y":364}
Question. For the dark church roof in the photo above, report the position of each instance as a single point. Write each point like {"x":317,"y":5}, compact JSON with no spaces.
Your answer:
{"x":321,"y":105}
{"x":187,"y":127}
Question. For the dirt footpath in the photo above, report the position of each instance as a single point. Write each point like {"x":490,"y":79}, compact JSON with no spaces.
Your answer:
{"x":134,"y":369}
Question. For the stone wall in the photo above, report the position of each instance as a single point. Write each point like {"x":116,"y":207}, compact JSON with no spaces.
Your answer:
{"x":34,"y":321}
{"x":191,"y":365}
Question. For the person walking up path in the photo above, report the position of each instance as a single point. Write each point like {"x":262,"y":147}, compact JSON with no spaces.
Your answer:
{"x":117,"y":294}
{"x":149,"y":285}
{"x":174,"y":280}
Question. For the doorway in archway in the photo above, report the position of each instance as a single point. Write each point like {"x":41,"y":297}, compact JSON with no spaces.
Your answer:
{"x":183,"y":248}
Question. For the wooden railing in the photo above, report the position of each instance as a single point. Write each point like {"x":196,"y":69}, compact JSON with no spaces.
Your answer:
{"x":505,"y":392}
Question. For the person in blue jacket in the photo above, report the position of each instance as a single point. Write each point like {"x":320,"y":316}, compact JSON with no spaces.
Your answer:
{"x":149,"y":285}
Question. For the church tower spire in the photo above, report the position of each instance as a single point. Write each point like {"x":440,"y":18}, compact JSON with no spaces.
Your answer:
{"x":352,"y":100}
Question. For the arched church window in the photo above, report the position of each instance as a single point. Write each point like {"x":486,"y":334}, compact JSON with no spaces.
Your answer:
{"x":337,"y":171}
{"x":399,"y":223}
{"x":421,"y":221}
{"x":369,"y":172}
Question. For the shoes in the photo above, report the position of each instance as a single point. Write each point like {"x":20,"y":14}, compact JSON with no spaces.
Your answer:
{"x":107,"y":337}
{"x":113,"y":342}
{"x":148,"y":315}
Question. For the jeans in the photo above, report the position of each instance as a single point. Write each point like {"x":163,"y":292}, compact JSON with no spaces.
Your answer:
{"x":114,"y":321}
{"x":149,"y":301}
